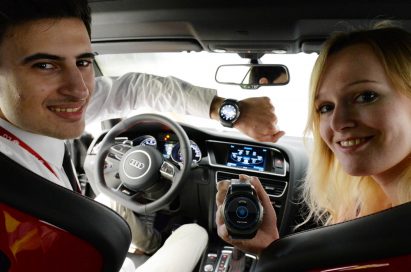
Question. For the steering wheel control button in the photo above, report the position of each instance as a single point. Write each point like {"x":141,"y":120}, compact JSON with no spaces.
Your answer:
{"x":119,"y":150}
{"x":167,"y":170}
{"x":126,"y":191}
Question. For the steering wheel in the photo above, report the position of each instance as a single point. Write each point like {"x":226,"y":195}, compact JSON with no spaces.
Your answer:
{"x":141,"y":166}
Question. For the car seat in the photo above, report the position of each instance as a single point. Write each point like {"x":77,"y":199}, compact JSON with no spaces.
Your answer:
{"x":378,"y":242}
{"x":45,"y":227}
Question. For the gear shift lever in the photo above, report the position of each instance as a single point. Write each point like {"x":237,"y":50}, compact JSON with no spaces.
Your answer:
{"x":237,"y":261}
{"x":237,"y":253}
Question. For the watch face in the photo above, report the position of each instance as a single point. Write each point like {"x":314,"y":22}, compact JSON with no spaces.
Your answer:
{"x":228,"y":112}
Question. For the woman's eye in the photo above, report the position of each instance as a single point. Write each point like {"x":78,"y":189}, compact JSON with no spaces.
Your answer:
{"x":325,"y":108}
{"x":366,"y":97}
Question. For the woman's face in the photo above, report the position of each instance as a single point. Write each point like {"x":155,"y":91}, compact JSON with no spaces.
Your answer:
{"x":364,"y":120}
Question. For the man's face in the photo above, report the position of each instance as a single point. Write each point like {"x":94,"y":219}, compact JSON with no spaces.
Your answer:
{"x":46,"y":77}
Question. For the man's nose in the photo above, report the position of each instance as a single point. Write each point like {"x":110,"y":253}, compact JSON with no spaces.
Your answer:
{"x":74,"y":84}
{"x":343,"y":117}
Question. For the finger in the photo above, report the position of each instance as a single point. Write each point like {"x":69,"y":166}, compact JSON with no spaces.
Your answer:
{"x":223,"y":233}
{"x":277,"y":136}
{"x":222,"y":187}
{"x":256,"y":183}
{"x":270,"y":217}
{"x":262,"y":194}
{"x":272,"y":138}
{"x":221,"y":228}
{"x":243,"y":177}
{"x":223,"y":184}
{"x":219,"y":220}
{"x":270,"y":127}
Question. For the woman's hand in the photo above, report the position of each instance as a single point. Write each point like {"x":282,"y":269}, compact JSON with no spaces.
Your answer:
{"x":267,"y":232}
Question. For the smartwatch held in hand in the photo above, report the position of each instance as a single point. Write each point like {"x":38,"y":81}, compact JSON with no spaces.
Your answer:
{"x":242,"y":210}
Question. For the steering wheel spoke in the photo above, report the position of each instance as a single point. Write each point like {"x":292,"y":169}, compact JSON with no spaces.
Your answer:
{"x":119,"y":150}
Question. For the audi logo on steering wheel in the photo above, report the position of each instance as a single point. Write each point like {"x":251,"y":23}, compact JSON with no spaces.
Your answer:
{"x":137,"y":164}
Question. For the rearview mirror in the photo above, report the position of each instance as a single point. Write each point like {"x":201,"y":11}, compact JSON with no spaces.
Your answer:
{"x":252,"y":76}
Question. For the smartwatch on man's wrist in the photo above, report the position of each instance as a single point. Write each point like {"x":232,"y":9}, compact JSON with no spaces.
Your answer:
{"x":229,"y":112}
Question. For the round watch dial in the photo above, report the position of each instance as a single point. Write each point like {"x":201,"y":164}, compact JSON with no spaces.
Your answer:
{"x":228,"y":112}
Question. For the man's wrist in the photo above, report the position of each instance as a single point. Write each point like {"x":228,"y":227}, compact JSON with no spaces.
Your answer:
{"x":215,"y":106}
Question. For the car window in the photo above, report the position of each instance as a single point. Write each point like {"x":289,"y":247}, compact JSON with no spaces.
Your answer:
{"x":199,"y":68}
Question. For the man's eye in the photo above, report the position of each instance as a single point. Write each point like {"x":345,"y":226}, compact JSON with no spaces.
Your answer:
{"x":44,"y":66}
{"x":84,"y":63}
{"x":366,"y":97}
{"x":325,"y":108}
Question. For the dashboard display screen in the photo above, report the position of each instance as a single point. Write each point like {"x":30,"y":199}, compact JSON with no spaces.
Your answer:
{"x":247,"y":157}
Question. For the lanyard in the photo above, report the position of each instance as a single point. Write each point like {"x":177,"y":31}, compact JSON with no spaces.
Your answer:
{"x":14,"y":139}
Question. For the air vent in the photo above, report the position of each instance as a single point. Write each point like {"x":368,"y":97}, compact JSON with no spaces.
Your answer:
{"x":274,"y":188}
{"x":223,"y":176}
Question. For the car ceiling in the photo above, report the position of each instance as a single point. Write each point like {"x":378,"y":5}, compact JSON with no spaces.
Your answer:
{"x":120,"y":26}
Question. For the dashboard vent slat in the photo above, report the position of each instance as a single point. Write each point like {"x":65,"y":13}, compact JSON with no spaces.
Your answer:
{"x":274,"y":188}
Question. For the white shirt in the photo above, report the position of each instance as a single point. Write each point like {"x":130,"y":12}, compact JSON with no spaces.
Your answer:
{"x":111,"y":98}
{"x":114,"y":97}
{"x":50,"y":149}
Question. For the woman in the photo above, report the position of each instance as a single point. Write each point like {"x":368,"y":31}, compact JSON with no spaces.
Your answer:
{"x":360,"y":119}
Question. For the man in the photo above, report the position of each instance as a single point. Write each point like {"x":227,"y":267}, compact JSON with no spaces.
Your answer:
{"x":48,"y":89}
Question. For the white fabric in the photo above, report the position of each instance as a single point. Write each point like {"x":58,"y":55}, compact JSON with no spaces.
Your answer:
{"x":144,"y":238}
{"x":111,"y":98}
{"x":180,"y":252}
{"x":114,"y":97}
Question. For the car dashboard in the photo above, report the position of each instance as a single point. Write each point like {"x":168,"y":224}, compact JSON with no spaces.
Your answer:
{"x":216,"y":156}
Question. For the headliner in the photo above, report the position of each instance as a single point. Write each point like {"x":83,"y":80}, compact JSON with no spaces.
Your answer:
{"x":247,"y":26}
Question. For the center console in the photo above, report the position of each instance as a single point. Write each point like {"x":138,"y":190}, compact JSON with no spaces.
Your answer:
{"x":229,"y":259}
{"x":229,"y":159}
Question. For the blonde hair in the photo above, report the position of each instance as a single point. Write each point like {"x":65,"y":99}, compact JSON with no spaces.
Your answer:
{"x":331,"y":194}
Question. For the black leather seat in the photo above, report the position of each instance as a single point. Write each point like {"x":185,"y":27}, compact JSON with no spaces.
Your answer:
{"x":54,"y":229}
{"x":378,"y":242}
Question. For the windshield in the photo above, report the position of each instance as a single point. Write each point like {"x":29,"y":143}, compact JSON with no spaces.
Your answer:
{"x":290,"y":101}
